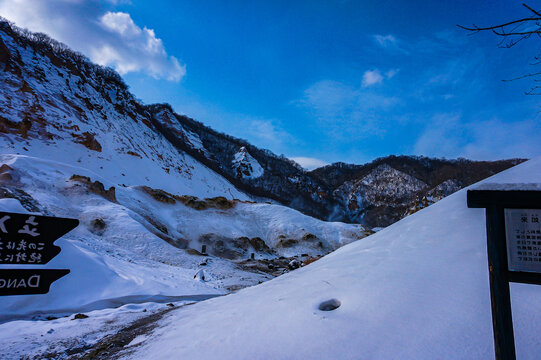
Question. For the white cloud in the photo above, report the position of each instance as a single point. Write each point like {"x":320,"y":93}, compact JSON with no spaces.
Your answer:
{"x":391,"y":44}
{"x":391,"y":73}
{"x":309,"y":163}
{"x":120,"y":23}
{"x":371,"y":77}
{"x":386,"y":41}
{"x":106,"y":37}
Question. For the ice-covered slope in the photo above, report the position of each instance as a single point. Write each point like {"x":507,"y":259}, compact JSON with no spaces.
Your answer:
{"x":133,"y":244}
{"x":416,"y":290}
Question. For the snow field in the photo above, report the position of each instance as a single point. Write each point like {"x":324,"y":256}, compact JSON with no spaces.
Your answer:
{"x":415,"y":290}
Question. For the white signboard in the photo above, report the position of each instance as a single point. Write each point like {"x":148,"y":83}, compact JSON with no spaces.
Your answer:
{"x":523,"y":235}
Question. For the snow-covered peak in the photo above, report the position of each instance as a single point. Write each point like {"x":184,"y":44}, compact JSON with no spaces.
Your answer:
{"x":246,"y":166}
{"x":390,"y":181}
{"x":382,"y":186}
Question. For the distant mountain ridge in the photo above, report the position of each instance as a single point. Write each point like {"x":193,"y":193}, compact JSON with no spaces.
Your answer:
{"x":53,"y":94}
{"x":387,"y":189}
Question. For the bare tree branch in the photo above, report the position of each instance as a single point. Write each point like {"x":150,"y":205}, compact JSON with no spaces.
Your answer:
{"x":477,"y":28}
{"x":532,"y":10}
{"x":523,"y":76}
{"x":513,"y":32}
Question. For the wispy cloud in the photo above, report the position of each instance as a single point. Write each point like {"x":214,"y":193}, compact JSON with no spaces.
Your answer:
{"x":390,"y":43}
{"x":347,"y":111}
{"x":266,"y":133}
{"x":456,"y":77}
{"x":386,"y":41}
{"x":309,"y":163}
{"x":371,"y":77}
{"x":106,"y":37}
{"x":450,"y":135}
{"x":391,"y":73}
{"x":440,"y":42}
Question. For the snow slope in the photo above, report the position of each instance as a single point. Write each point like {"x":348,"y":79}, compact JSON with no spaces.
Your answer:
{"x":129,"y":260}
{"x":415,"y":290}
{"x":126,"y":260}
{"x":75,"y":117}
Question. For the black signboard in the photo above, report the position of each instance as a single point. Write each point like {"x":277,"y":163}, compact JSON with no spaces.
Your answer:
{"x":28,"y":281}
{"x":513,"y":224}
{"x":29,"y":239}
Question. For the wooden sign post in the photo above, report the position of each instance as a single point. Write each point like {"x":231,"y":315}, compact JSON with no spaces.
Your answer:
{"x":513,"y":215}
{"x":29,"y":240}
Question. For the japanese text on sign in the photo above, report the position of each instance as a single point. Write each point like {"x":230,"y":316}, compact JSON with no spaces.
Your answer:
{"x":523,"y":237}
{"x":25,"y":249}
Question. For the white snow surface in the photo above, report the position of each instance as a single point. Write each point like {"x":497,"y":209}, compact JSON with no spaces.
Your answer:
{"x":26,"y":339}
{"x":417,"y":289}
{"x":507,"y":187}
{"x":127,"y":262}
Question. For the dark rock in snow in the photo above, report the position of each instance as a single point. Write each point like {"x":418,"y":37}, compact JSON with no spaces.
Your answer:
{"x":79,"y":316}
{"x":97,"y":225}
{"x":294,"y":264}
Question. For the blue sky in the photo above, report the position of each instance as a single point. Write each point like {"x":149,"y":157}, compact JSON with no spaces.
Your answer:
{"x":319,"y":81}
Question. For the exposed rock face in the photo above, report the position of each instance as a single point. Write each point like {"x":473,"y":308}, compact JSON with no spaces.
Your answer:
{"x":7,"y":174}
{"x":380,"y":188}
{"x":4,"y":53}
{"x":96,"y":187}
{"x":88,"y":140}
{"x":159,"y":195}
{"x":246,"y":166}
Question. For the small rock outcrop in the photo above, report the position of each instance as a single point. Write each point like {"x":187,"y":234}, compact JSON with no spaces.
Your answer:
{"x":96,"y":187}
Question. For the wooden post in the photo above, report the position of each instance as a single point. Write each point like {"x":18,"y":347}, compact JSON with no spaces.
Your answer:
{"x":252,"y":256}
{"x":502,"y":320}
{"x":498,"y":200}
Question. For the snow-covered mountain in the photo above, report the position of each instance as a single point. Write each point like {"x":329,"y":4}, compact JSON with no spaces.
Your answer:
{"x":81,"y":114}
{"x":382,"y":187}
{"x":387,"y":189}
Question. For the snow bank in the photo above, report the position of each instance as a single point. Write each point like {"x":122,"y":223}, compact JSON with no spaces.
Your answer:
{"x":415,"y":290}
